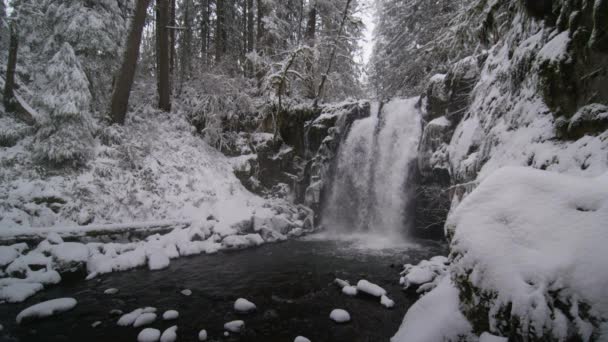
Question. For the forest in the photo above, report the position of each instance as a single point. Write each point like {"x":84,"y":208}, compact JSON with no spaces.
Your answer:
{"x":303,"y":170}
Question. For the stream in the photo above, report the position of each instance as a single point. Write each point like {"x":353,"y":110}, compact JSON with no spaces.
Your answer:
{"x":291,"y":283}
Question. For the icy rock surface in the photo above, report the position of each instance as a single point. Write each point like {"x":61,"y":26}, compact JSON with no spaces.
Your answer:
{"x":46,"y":309}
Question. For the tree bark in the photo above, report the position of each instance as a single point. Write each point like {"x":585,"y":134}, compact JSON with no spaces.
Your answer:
{"x":332,"y":55}
{"x":9,"y":85}
{"x":164,"y":88}
{"x":122,"y":88}
{"x":172,"y":23}
{"x":186,"y":53}
{"x":310,"y":39}
{"x":205,"y":31}
{"x":220,"y":31}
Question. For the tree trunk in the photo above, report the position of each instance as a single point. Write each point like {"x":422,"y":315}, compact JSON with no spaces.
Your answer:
{"x":260,"y":24}
{"x":205,"y":31}
{"x":162,"y":21}
{"x":172,"y":23}
{"x":9,"y":85}
{"x":250,"y":35}
{"x":220,"y":31}
{"x":186,"y":53}
{"x":122,"y":88}
{"x":333,"y":54}
{"x":310,"y":38}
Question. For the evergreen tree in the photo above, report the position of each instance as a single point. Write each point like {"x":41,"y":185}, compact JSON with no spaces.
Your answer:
{"x":65,"y":137}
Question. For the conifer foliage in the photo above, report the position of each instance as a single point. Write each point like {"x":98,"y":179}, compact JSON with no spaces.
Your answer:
{"x":65,"y":136}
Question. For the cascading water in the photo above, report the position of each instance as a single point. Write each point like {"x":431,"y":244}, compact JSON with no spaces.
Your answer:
{"x":369,"y":190}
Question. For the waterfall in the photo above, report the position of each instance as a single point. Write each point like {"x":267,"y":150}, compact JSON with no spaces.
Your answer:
{"x":369,"y":189}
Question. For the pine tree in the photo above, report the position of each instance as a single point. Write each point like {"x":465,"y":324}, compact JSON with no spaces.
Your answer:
{"x":65,"y":138}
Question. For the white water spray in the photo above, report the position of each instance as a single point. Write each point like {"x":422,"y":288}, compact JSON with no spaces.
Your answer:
{"x":369,"y":190}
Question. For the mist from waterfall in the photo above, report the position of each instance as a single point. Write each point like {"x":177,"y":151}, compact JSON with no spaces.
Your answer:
{"x":369,"y":192}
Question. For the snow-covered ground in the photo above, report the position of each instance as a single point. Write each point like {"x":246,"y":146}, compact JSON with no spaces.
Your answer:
{"x":152,"y":172}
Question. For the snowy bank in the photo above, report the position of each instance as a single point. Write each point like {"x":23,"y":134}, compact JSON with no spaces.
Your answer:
{"x":529,"y":254}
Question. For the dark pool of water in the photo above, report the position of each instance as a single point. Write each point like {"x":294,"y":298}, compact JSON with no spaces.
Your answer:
{"x":291,"y":283}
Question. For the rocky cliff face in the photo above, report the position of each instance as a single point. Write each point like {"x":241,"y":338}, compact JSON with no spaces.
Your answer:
{"x":537,"y":97}
{"x":299,"y":163}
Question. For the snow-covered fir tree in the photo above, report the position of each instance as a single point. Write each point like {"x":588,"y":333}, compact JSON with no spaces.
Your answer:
{"x":65,"y":137}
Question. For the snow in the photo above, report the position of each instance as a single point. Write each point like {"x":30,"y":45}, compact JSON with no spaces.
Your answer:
{"x":434,"y":317}
{"x":8,"y":254}
{"x":426,"y":273}
{"x":46,"y":309}
{"x":242,"y":305}
{"x":18,"y":292}
{"x":129,"y":318}
{"x":339,"y":316}
{"x":157,"y":259}
{"x":487,"y":337}
{"x":169,"y":335}
{"x":557,"y":48}
{"x":111,"y":291}
{"x":440,"y":121}
{"x":70,"y":252}
{"x":341,"y":283}
{"x":235,"y":326}
{"x":387,"y":302}
{"x":370,"y":288}
{"x":186,"y":292}
{"x":528,"y":236}
{"x":170,"y":315}
{"x":202,"y":335}
{"x":349,"y":290}
{"x":148,"y":335}
{"x":144,"y":319}
{"x":301,"y":339}
{"x":95,"y":324}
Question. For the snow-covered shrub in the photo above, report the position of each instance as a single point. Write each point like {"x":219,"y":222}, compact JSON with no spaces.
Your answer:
{"x":65,"y":137}
{"x":11,"y":131}
{"x":528,"y":255}
{"x":215,"y":104}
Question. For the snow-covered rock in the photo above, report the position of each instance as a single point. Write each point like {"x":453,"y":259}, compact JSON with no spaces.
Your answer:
{"x":157,"y":259}
{"x":111,"y":291}
{"x":341,"y":283}
{"x":387,"y":302}
{"x":370,"y":288}
{"x":339,"y":316}
{"x":487,"y":337}
{"x":170,"y":315}
{"x":533,"y":242}
{"x":18,"y":292}
{"x":235,"y":326}
{"x":95,"y":324}
{"x":169,"y":335}
{"x":435,"y":317}
{"x":148,"y":335}
{"x":425,"y":275}
{"x":202,"y":335}
{"x":350,"y":290}
{"x":46,"y":309}
{"x":244,"y":306}
{"x":301,"y":339}
{"x":144,"y":319}
{"x":129,"y":318}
